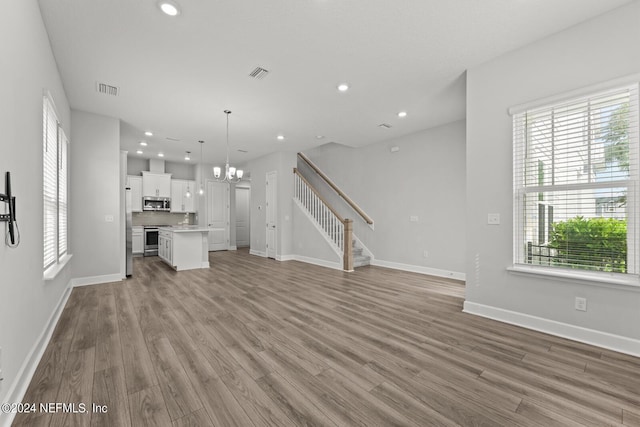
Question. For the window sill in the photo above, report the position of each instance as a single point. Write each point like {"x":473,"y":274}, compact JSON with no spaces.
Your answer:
{"x":591,"y":278}
{"x":51,"y":272}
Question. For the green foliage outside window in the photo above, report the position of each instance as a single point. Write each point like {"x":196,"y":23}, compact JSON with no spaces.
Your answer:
{"x":591,"y":244}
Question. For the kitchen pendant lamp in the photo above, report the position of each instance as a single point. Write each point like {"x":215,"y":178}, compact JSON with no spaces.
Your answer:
{"x":201,"y":190}
{"x":231,"y":174}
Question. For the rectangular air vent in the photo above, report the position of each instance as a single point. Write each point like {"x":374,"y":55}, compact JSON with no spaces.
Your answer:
{"x":172,"y":139}
{"x":242,"y":151}
{"x":259,"y":73}
{"x":384,"y":126}
{"x":107,"y":89}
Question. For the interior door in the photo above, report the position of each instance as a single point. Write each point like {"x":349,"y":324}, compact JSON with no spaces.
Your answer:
{"x":242,"y":217}
{"x":218,"y":215}
{"x":272,"y":213}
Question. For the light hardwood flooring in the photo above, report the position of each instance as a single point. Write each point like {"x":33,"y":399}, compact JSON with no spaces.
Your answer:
{"x":256,"y":342}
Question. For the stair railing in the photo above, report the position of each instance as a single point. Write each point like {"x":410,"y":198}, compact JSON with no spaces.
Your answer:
{"x":338,"y":229}
{"x":335,"y":188}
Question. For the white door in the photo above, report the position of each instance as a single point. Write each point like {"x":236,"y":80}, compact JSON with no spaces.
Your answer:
{"x":242,"y":217}
{"x":218,"y":215}
{"x":272,"y":213}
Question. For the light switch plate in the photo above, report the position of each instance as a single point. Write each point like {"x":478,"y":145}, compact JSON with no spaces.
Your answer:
{"x":493,"y":219}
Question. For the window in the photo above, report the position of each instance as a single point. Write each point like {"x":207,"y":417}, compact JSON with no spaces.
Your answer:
{"x":576,"y":184}
{"x":54,"y":185}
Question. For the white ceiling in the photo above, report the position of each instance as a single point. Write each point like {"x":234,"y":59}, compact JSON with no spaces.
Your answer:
{"x":176,"y":75}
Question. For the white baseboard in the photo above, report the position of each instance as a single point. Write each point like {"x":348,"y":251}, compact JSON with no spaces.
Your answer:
{"x":95,"y":280}
{"x":316,"y":261}
{"x":576,"y":333}
{"x":19,"y":386}
{"x":233,"y":248}
{"x":419,"y":269}
{"x":257,"y":253}
{"x":285,"y":257}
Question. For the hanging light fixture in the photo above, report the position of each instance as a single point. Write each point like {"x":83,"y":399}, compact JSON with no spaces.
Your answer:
{"x":231,"y":174}
{"x":201,"y":190}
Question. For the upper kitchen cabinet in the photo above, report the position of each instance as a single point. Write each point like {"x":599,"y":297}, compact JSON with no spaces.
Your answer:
{"x":135,"y":183}
{"x":156,"y":184}
{"x":180,"y":203}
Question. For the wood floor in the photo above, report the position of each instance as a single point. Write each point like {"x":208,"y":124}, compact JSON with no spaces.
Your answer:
{"x":256,"y":342}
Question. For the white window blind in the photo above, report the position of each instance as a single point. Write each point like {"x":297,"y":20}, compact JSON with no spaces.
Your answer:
{"x":54,"y":186}
{"x":576,"y":183}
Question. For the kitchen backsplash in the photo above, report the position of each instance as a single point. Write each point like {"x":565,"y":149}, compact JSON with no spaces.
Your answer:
{"x":162,"y":218}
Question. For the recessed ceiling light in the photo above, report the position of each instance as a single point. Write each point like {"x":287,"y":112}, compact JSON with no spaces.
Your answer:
{"x":402,"y":114}
{"x":148,"y":133}
{"x":169,"y":7}
{"x":343,"y":87}
{"x":139,"y":152}
{"x":143,"y":143}
{"x":160,"y":154}
{"x":280,"y":137}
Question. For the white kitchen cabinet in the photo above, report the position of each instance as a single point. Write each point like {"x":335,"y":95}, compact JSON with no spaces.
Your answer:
{"x":165,"y":246}
{"x":156,"y":184}
{"x":135,"y":183}
{"x":184,"y":247}
{"x":138,"y":240}
{"x":180,"y":203}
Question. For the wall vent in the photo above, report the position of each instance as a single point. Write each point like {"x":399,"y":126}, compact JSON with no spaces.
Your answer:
{"x":259,"y":73}
{"x":168,"y":138}
{"x":107,"y":89}
{"x":384,"y":126}
{"x":242,"y":151}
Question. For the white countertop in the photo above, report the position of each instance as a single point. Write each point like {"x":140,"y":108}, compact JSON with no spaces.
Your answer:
{"x":185,"y":228}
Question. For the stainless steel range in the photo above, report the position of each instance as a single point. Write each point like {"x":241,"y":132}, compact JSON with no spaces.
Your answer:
{"x":150,"y":240}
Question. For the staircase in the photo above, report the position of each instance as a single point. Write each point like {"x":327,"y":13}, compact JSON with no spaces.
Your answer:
{"x":359,"y":259}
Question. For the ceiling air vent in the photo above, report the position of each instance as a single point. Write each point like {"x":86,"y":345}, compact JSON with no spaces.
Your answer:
{"x":384,"y":126}
{"x":107,"y":89}
{"x":168,"y":138}
{"x":242,"y":151}
{"x":259,"y":73}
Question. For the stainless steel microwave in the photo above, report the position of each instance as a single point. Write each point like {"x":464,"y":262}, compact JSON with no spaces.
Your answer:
{"x":162,"y":204}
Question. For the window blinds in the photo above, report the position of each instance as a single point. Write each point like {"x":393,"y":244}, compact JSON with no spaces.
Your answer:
{"x":50,"y":181}
{"x":576,"y":183}
{"x":54,"y":185}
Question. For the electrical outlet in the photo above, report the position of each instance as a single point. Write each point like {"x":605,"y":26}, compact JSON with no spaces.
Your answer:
{"x":493,"y":219}
{"x":425,"y":254}
{"x":413,"y":218}
{"x":581,"y":304}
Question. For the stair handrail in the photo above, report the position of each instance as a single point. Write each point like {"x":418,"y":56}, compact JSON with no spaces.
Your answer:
{"x":335,"y":188}
{"x":312,"y":188}
{"x":347,"y":224}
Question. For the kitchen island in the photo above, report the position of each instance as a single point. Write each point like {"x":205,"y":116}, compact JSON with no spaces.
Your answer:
{"x":184,"y":247}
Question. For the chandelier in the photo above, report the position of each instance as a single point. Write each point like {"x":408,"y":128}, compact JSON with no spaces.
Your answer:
{"x":231,"y":174}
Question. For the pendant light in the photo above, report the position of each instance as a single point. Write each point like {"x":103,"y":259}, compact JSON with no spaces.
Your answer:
{"x":201,"y":190}
{"x":231,"y":174}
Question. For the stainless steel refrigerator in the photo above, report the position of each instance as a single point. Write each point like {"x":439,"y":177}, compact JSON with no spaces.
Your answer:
{"x":128,"y":231}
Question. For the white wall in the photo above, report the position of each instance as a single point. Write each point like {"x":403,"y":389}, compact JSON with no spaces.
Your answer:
{"x":26,"y":301}
{"x":95,"y":194}
{"x":425,"y":178}
{"x":593,"y":52}
{"x":283,"y":163}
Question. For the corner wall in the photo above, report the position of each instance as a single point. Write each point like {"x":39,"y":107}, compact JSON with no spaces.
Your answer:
{"x":598,"y":50}
{"x":424,"y":179}
{"x":27,"y":302}
{"x":95,"y":195}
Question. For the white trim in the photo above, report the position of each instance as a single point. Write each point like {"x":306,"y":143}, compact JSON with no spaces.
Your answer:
{"x":419,"y":269}
{"x":285,"y":257}
{"x":24,"y":376}
{"x":51,"y":272}
{"x":577,"y":93}
{"x":318,"y":262}
{"x":95,"y":280}
{"x":576,"y":333}
{"x":257,"y":253}
{"x":233,"y":248}
{"x":600,"y":278}
{"x":205,"y":264}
